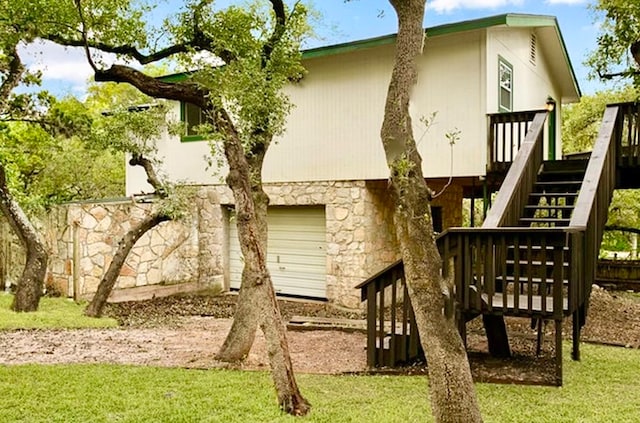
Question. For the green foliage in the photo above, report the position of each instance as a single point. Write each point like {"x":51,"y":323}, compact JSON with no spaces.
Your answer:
{"x":580,"y":125}
{"x":248,"y":86}
{"x":51,"y":161}
{"x":53,"y":313}
{"x":619,"y":30}
{"x":581,"y":121}
{"x":624,"y":211}
{"x":108,"y":393}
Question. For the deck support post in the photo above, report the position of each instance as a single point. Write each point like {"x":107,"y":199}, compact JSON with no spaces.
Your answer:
{"x":497,"y":338}
{"x":575,"y":336}
{"x":558,"y":352}
{"x":371,"y":326}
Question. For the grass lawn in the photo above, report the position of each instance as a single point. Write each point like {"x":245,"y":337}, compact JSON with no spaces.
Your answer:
{"x":603,"y":387}
{"x":53,"y":313}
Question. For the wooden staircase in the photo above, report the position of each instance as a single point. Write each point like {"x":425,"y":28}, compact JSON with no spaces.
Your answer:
{"x":554,"y":194}
{"x":536,"y":252}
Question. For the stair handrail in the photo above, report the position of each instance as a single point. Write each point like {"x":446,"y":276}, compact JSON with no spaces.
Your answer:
{"x":591,"y":207}
{"x":518,"y":183}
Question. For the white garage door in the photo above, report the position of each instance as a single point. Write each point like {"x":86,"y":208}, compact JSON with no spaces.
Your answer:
{"x":296,"y":254}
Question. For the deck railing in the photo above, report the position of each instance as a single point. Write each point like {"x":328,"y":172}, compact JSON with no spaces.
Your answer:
{"x":522,"y":174}
{"x":501,"y":269}
{"x":514,"y":271}
{"x":628,"y":153}
{"x":506,"y":134}
{"x":592,"y":204}
{"x":392,"y":335}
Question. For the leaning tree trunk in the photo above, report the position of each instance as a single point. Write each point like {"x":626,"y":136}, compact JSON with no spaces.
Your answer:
{"x":96,"y":306}
{"x":453,"y":397}
{"x":108,"y":281}
{"x":262,"y":298}
{"x":241,"y":336}
{"x":30,"y":285}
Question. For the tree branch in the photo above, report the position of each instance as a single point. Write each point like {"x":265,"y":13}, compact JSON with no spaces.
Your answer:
{"x":152,"y":176}
{"x":12,"y":78}
{"x":623,"y":74}
{"x":622,"y":229}
{"x":178,"y":91}
{"x":84,"y":35}
{"x":125,"y":50}
{"x":278,"y":30}
{"x":199,"y":42}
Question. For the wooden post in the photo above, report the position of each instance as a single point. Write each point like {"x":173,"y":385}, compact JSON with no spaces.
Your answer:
{"x":558,"y":352}
{"x":575,"y":337}
{"x":75,"y":287}
{"x":4,"y":265}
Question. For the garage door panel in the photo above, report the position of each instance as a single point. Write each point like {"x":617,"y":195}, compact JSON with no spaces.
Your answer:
{"x":296,"y":251}
{"x":312,"y":261}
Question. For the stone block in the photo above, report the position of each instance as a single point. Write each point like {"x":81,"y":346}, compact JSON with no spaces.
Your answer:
{"x":98,"y":213}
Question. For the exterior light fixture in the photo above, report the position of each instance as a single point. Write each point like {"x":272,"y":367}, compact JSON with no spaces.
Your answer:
{"x":550,"y":104}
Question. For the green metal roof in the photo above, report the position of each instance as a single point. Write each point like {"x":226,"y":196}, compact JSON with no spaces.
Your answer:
{"x":509,"y":19}
{"x":513,"y":20}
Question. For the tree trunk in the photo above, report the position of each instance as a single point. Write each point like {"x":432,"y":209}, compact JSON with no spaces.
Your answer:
{"x":29,"y":290}
{"x":452,"y":392}
{"x":259,"y":301}
{"x":96,"y":306}
{"x":240,"y":338}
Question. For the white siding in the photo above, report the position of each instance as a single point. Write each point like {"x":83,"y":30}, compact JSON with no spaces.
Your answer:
{"x":451,"y":83}
{"x":296,"y":255}
{"x":532,"y":83}
{"x":333,"y":132}
{"x":180,"y":162}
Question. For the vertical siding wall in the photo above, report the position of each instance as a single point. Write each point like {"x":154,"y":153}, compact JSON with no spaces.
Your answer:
{"x":333,"y":131}
{"x":532,"y":82}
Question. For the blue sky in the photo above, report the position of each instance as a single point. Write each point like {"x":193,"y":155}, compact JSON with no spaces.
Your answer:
{"x":66,"y":71}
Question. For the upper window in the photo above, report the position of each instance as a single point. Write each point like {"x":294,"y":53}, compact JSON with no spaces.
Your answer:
{"x":192,"y":116}
{"x":505,"y":81}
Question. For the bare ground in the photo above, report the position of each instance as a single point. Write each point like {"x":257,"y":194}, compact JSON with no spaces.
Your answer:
{"x":187,"y":331}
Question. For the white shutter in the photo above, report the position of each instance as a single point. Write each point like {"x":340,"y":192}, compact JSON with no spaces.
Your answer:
{"x":296,"y":252}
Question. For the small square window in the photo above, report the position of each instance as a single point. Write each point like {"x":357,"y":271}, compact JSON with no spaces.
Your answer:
{"x":192,"y":116}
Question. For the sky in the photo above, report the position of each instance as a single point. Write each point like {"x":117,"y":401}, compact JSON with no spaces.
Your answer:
{"x":66,"y":71}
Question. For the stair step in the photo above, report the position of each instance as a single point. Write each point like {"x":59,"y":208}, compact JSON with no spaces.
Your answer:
{"x":534,"y":248}
{"x":548,"y":207}
{"x":554,"y":194}
{"x":534,"y":263}
{"x":565,"y":165}
{"x":523,"y":280}
{"x":558,"y":183}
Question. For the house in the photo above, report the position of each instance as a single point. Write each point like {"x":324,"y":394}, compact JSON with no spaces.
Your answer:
{"x":330,"y":223}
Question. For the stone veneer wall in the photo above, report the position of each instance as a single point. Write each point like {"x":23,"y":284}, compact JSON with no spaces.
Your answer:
{"x":84,"y":237}
{"x":360,"y":237}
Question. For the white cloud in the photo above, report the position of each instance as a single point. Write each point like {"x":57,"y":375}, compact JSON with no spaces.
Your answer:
{"x":569,"y":2}
{"x":56,"y":62}
{"x":442,"y":6}
{"x":65,"y":70}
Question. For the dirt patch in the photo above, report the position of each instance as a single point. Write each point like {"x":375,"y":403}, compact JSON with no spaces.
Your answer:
{"x":187,"y":331}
